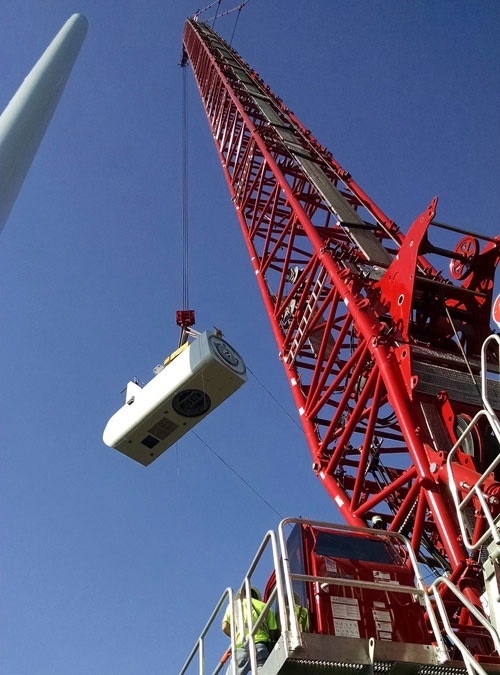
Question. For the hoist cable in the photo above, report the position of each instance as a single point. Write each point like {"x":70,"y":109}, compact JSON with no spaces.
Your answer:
{"x":464,"y":355}
{"x":216,"y":12}
{"x":185,"y":195}
{"x":205,"y":9}
{"x":238,"y":9}
{"x":236,"y":23}
{"x":238,"y":475}
{"x":299,"y":426}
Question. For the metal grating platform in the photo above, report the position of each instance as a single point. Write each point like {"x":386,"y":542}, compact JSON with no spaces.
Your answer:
{"x":351,"y":656}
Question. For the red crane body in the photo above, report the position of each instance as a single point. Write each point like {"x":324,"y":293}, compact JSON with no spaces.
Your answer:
{"x":382,"y":351}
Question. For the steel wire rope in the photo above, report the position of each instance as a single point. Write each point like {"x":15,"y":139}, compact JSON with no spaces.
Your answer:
{"x":271,"y":395}
{"x":462,"y":350}
{"x":228,"y":465}
{"x":185,"y":210}
{"x":205,"y":9}
{"x":185,"y":246}
{"x":236,"y":21}
{"x":238,"y":475}
{"x":238,"y":9}
{"x":216,"y":12}
{"x":185,"y":194}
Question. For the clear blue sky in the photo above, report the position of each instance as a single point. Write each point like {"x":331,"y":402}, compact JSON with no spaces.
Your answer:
{"x":107,"y":567}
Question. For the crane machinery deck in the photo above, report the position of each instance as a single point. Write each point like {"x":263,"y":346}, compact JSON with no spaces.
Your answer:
{"x":394,"y":372}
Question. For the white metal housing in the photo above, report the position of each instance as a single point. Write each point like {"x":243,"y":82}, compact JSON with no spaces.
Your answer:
{"x":190,"y":386}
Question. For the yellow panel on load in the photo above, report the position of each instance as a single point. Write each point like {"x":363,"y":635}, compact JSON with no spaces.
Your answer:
{"x":190,"y":386}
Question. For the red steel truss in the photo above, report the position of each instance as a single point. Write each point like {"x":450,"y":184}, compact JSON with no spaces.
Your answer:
{"x":380,"y":349}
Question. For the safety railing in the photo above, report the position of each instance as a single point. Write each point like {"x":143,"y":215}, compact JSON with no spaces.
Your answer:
{"x":283,"y":593}
{"x":236,"y":607}
{"x":473,"y":667}
{"x":475,"y":492}
{"x":484,"y":374}
{"x":227,"y":598}
{"x":270,"y":540}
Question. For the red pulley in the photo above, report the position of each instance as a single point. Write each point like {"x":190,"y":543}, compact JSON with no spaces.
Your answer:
{"x":467,"y":249}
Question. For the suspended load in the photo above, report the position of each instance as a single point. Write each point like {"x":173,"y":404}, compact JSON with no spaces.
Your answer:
{"x":195,"y":380}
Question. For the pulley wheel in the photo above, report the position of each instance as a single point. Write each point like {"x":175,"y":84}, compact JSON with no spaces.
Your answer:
{"x":468,"y":247}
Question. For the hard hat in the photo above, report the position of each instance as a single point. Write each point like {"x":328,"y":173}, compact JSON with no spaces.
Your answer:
{"x":255,"y":593}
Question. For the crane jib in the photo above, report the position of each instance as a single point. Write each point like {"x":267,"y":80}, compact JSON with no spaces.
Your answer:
{"x":397,"y":394}
{"x":301,"y":150}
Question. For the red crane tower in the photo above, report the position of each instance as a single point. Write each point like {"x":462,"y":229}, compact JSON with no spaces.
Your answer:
{"x":382,"y":351}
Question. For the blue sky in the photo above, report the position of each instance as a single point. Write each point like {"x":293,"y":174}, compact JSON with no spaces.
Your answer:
{"x":108,"y":567}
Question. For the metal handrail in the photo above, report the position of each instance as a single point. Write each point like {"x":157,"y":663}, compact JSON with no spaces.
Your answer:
{"x":476,"y":490}
{"x":484,"y":370}
{"x":270,"y":539}
{"x":283,"y":591}
{"x":226,"y":597}
{"x":470,"y":662}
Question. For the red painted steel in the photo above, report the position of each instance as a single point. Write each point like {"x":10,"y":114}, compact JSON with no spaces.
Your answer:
{"x":380,"y":349}
{"x":348,"y":611}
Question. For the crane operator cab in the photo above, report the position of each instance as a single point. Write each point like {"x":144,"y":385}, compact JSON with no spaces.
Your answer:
{"x":372,"y":605}
{"x":197,"y":378}
{"x":358,"y":600}
{"x":354,"y":585}
{"x":345,"y":599}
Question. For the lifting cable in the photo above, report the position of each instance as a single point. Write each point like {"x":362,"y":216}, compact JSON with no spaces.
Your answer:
{"x":464,"y":355}
{"x":185,"y":235}
{"x":238,"y":475}
{"x":216,"y":12}
{"x":216,"y":16}
{"x":271,"y":395}
{"x":205,"y":9}
{"x":236,"y":21}
{"x":230,"y":467}
{"x":185,"y":195}
{"x":185,"y":316}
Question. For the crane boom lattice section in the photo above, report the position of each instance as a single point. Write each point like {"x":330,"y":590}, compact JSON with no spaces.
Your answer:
{"x":380,"y":348}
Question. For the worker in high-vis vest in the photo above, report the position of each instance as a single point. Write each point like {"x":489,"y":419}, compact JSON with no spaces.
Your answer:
{"x":265,"y":635}
{"x":302,"y":614}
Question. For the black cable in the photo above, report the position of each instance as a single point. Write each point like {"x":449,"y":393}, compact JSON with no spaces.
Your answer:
{"x":299,"y":426}
{"x":185,"y":195}
{"x":238,"y":9}
{"x":235,"y":24}
{"x":221,"y":459}
{"x":216,"y":13}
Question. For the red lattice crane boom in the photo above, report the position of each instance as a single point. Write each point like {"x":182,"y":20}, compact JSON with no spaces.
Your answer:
{"x":381,"y":350}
